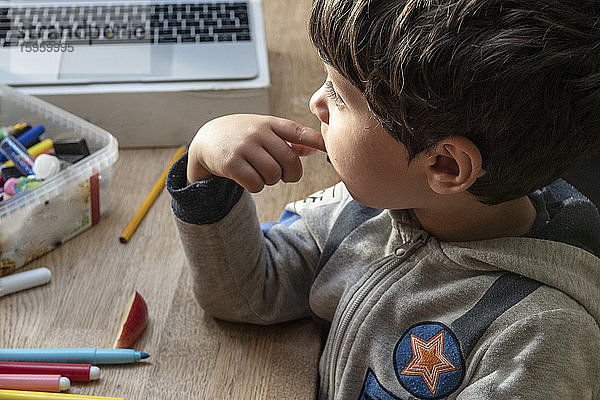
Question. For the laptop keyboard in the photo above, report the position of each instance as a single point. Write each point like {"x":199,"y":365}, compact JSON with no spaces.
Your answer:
{"x":153,"y":23}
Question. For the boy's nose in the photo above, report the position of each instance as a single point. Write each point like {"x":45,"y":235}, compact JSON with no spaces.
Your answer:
{"x":318,"y":106}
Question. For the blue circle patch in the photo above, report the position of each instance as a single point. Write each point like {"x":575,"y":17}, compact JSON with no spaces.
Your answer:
{"x":428,"y":361}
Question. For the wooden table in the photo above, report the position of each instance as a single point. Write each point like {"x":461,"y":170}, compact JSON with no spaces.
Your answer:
{"x":193,"y":356}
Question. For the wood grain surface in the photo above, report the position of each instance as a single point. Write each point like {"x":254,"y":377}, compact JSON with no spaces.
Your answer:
{"x":193,"y":356}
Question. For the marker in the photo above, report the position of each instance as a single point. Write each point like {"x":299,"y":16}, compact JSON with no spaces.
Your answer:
{"x":42,"y":383}
{"x":22,"y":395}
{"x":11,"y":130}
{"x":17,"y":153}
{"x":46,"y":166}
{"x":28,"y":137}
{"x":35,"y":150}
{"x":24,"y":280}
{"x":78,"y":356}
{"x":22,"y":131}
{"x":75,"y":372}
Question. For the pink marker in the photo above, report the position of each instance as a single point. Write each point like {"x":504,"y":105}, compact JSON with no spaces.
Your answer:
{"x":40,"y":383}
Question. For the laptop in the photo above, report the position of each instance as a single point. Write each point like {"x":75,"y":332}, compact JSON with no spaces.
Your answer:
{"x":83,"y":42}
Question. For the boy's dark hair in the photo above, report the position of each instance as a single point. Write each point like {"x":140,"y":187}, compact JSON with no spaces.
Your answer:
{"x":520,"y":79}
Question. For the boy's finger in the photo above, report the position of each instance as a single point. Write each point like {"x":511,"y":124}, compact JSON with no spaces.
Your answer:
{"x":248,"y":177}
{"x":266,"y":165}
{"x":293,"y":132}
{"x":302,"y":150}
{"x":290,"y":163}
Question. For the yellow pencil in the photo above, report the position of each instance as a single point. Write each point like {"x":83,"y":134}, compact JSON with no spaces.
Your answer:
{"x":156,"y":190}
{"x":25,"y":395}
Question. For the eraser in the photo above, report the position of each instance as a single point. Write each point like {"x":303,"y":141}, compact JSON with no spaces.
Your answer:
{"x":71,"y":147}
{"x":45,"y":166}
{"x":70,"y":158}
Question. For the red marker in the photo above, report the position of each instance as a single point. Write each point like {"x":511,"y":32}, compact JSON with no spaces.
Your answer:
{"x":75,"y":372}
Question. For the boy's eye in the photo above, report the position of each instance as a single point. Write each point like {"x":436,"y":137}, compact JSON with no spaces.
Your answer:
{"x":332,"y":94}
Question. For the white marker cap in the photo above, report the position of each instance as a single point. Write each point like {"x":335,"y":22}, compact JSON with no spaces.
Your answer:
{"x":65,"y":384}
{"x":94,"y":373}
{"x":46,"y":166}
{"x":24,"y":280}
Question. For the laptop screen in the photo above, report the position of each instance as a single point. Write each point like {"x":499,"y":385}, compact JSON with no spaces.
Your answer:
{"x":83,"y":42}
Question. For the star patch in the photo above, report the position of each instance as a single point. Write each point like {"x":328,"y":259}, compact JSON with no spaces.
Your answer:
{"x":428,"y":361}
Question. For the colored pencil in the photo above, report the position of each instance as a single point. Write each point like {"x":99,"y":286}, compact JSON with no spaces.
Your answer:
{"x":25,"y":395}
{"x":156,"y":190}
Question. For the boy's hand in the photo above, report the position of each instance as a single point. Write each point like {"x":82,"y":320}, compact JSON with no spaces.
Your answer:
{"x":253,"y":150}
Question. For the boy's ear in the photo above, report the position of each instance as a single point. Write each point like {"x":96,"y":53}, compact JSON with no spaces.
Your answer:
{"x":453,"y":165}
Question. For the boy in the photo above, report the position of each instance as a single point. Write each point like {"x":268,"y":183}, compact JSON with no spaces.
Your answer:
{"x":449,"y":262}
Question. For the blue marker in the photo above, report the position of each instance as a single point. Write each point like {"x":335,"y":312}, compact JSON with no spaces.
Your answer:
{"x":27,"y":138}
{"x":17,"y":153}
{"x":73,"y":356}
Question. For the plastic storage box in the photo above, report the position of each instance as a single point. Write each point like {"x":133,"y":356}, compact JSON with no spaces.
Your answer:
{"x":35,"y":222}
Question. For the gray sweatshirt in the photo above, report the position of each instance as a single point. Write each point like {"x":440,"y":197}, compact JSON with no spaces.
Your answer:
{"x":408,"y":316}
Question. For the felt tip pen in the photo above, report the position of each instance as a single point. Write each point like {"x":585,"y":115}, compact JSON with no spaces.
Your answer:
{"x":75,"y":372}
{"x":28,"y":138}
{"x":23,"y":395}
{"x":41,"y":383}
{"x":24,"y":280}
{"x":79,"y":356}
{"x":35,"y":150}
{"x":11,"y":130}
{"x":17,"y":153}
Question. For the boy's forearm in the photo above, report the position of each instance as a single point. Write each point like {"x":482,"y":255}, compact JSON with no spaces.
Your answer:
{"x":216,"y":275}
{"x":237,"y":273}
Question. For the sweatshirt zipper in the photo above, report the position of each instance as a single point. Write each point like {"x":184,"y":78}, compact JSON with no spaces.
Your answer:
{"x":389,"y":264}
